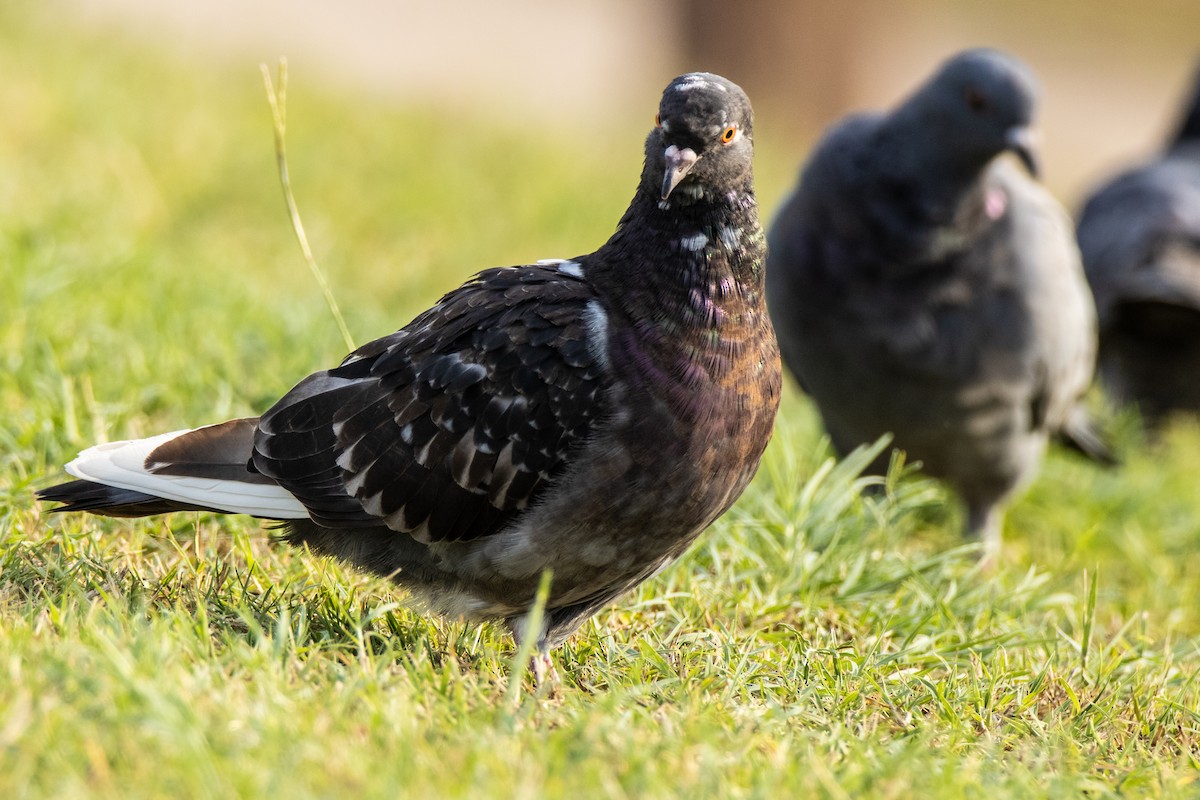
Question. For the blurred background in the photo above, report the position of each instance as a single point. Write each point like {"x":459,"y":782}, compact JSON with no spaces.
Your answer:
{"x":429,"y":140}
{"x":140,"y":203}
{"x":1112,"y":72}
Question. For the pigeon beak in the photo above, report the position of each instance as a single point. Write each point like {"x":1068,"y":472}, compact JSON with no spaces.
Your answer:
{"x":1023,"y":144}
{"x":679,"y":164}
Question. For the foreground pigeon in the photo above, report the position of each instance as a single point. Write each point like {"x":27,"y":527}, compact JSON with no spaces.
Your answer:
{"x":922,"y":286}
{"x":589,"y":417}
{"x":1140,"y":238}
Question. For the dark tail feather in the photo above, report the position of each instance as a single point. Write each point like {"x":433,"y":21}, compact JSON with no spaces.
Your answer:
{"x":1080,"y":434}
{"x":109,"y":501}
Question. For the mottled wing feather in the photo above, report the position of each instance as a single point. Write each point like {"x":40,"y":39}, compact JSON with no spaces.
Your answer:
{"x":449,"y":427}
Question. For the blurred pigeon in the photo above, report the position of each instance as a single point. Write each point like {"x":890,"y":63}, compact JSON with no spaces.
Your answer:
{"x":924,"y":287}
{"x":1140,"y":238}
{"x":587,"y":417}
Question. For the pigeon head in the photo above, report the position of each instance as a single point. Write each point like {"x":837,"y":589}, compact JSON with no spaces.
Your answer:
{"x":702,"y":141}
{"x":979,"y":104}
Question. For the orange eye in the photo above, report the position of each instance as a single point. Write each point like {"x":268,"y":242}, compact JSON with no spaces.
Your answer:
{"x":729,"y":134}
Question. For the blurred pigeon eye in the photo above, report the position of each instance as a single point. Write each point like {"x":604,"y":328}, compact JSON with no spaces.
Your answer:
{"x":729,"y":135}
{"x":976,"y":100}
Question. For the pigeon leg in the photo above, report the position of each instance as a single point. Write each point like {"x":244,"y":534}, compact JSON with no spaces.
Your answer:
{"x":985,"y":523}
{"x":544,"y":673}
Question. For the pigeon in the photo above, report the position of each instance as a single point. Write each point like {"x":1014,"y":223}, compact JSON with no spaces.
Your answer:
{"x":923,"y":286}
{"x":1140,"y":238}
{"x":585,"y":417}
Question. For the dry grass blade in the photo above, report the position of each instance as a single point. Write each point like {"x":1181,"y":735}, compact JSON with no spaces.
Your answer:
{"x":278,"y":102}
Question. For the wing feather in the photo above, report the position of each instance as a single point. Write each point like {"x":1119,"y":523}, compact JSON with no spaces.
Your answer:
{"x":447,"y":428}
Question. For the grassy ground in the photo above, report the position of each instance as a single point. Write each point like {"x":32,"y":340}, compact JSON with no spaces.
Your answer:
{"x":817,"y":642}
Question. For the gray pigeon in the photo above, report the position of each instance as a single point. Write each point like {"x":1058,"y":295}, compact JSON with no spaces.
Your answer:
{"x":587,"y":417}
{"x":924,"y":287}
{"x":1140,"y":238}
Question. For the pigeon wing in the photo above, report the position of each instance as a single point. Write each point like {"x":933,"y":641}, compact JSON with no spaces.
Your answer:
{"x":448,"y":428}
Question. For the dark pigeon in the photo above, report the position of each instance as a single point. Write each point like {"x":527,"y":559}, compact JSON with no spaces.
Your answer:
{"x":925,"y":287}
{"x":1140,"y":238}
{"x":589,"y":417}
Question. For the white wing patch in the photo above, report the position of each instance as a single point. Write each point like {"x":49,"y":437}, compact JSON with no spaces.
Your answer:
{"x":123,"y":465}
{"x":565,"y":266}
{"x":572,"y":268}
{"x":597,"y":328}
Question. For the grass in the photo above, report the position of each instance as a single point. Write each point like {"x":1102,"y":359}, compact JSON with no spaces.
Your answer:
{"x":821,"y":640}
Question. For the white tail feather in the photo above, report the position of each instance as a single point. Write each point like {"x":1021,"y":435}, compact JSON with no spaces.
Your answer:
{"x":123,"y":465}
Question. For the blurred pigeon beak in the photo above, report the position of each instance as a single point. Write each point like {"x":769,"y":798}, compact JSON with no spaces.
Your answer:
{"x":1023,"y":144}
{"x":679,"y":164}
